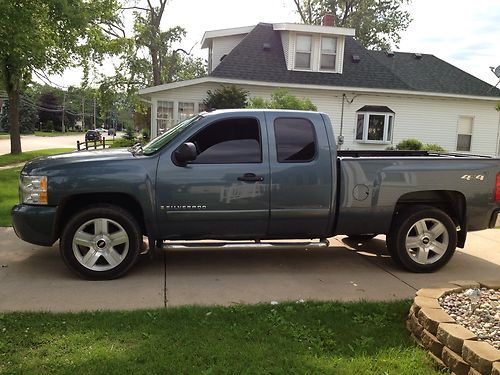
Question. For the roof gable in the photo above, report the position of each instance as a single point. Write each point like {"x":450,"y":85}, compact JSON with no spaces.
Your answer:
{"x":250,"y":61}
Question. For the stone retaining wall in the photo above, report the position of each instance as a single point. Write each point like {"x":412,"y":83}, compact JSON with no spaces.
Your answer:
{"x":450,"y":344}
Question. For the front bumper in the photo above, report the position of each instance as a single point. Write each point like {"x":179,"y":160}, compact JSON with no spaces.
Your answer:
{"x":34,"y":224}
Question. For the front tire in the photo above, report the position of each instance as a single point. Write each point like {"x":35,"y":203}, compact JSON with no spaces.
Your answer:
{"x":101,"y":243}
{"x":422,"y":239}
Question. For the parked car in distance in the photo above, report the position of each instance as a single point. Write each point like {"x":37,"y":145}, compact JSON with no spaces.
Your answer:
{"x":101,"y":130}
{"x":112,"y":131}
{"x":92,"y":135}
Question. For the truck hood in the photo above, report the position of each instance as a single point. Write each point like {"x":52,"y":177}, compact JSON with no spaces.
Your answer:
{"x":76,"y":159}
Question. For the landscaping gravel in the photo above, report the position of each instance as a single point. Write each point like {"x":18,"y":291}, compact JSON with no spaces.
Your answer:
{"x":477,"y":310}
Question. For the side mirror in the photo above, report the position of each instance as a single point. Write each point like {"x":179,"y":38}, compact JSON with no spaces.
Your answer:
{"x":185,"y":153}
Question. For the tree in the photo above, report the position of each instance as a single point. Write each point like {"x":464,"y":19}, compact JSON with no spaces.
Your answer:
{"x":28,"y":119}
{"x":47,"y":36}
{"x":226,"y":97}
{"x":281,"y":99}
{"x":378,"y":23}
{"x":49,"y":111}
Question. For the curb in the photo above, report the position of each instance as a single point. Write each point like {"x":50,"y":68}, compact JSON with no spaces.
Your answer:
{"x":449,"y":343}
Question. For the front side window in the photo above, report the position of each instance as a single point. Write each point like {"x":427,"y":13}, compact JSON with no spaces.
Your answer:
{"x":235,"y":140}
{"x":328,"y":53}
{"x":303,"y":52}
{"x":464,"y":136}
{"x":295,"y":140}
{"x":374,"y":127}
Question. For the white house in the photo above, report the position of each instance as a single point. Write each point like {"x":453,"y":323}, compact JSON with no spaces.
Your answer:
{"x":375,"y":98}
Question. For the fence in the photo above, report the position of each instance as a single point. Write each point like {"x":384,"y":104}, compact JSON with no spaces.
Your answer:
{"x":91,"y":144}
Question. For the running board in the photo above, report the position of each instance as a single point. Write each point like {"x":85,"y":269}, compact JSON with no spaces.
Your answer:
{"x":322,"y":244}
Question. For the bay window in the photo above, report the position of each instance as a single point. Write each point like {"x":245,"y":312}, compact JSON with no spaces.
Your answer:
{"x":374,"y":124}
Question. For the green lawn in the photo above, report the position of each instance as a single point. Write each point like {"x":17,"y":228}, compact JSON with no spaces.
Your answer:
{"x":336,"y":338}
{"x":8,"y":195}
{"x":8,"y":159}
{"x":56,"y":134}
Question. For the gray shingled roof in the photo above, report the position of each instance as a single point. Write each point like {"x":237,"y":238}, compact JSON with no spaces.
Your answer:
{"x":249,"y":61}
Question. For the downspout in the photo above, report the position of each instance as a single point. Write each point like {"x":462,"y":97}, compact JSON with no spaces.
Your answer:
{"x":340,"y":140}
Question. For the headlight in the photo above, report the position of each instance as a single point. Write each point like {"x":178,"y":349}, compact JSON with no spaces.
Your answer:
{"x":33,"y":189}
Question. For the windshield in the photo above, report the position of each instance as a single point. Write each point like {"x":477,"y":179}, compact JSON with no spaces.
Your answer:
{"x":170,"y":134}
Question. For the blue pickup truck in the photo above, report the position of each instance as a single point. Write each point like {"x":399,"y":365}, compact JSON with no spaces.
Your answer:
{"x":252,"y":175}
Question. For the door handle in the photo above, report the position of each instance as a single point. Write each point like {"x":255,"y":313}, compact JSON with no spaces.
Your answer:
{"x":250,"y":177}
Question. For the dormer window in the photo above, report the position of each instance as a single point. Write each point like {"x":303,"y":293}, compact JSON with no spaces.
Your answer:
{"x":303,"y":52}
{"x":328,"y":53}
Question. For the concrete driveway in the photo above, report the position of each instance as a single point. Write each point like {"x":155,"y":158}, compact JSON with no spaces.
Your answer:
{"x":35,"y":278}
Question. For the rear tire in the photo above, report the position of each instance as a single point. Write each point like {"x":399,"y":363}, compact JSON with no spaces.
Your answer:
{"x":101,"y":243}
{"x":422,"y":239}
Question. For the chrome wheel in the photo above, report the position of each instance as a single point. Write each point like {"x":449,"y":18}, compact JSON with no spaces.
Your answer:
{"x":427,"y":241}
{"x":100,"y":244}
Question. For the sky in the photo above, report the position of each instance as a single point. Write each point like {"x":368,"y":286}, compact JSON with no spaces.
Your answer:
{"x":463,"y":33}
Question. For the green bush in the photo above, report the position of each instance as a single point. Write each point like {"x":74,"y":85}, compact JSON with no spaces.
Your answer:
{"x":145,"y":134}
{"x":409,"y":144}
{"x":226,"y":97}
{"x":433,"y":147}
{"x":123,"y":142}
{"x":282,"y":99}
{"x":129,"y":133}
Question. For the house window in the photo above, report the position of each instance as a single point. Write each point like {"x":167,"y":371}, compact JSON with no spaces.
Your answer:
{"x":374,"y":124}
{"x":464,"y":133}
{"x":164,"y":115}
{"x":303,"y":52}
{"x":186,"y":110}
{"x":328,"y":53}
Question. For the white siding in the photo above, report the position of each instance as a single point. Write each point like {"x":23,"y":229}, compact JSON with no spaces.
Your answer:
{"x":285,"y":41}
{"x":430,"y":120}
{"x":222,"y":46}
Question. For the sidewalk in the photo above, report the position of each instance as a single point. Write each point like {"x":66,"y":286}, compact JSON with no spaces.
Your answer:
{"x":35,"y":278}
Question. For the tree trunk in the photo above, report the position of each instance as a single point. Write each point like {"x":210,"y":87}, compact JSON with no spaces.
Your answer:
{"x":156,"y":66}
{"x":15,"y":130}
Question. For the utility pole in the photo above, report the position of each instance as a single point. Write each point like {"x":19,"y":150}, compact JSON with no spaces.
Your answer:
{"x":83,"y":112}
{"x":63,"y":109}
{"x":94,"y":114}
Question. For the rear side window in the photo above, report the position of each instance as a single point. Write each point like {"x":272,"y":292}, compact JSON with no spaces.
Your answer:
{"x":295,"y":140}
{"x":235,"y":140}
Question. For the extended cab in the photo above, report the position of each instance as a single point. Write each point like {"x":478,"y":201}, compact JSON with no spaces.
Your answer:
{"x":252,"y":175}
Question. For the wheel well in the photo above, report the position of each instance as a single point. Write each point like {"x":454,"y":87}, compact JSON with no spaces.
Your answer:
{"x":449,"y":201}
{"x":75,"y":203}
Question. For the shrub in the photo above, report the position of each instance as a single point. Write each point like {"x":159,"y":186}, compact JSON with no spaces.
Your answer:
{"x":409,"y":144}
{"x":129,"y":133}
{"x":226,"y":97}
{"x":282,"y":99}
{"x":433,"y":147}
{"x":122,"y":142}
{"x":145,"y":134}
{"x":28,"y":118}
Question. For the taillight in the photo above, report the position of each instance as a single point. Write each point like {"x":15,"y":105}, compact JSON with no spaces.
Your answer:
{"x":497,"y":189}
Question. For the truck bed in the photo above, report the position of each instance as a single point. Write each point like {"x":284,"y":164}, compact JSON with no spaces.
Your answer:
{"x":405,"y":153}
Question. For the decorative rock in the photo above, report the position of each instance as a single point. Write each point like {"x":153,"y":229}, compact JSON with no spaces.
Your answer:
{"x":422,"y":301}
{"x":455,"y":362}
{"x":480,"y":355}
{"x":495,"y":368}
{"x":438,"y":291}
{"x":437,"y":362}
{"x":431,"y":343}
{"x":474,"y":372}
{"x":466,"y":283}
{"x":490,"y":284}
{"x":415,"y":326}
{"x":453,"y":336}
{"x":430,"y":318}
